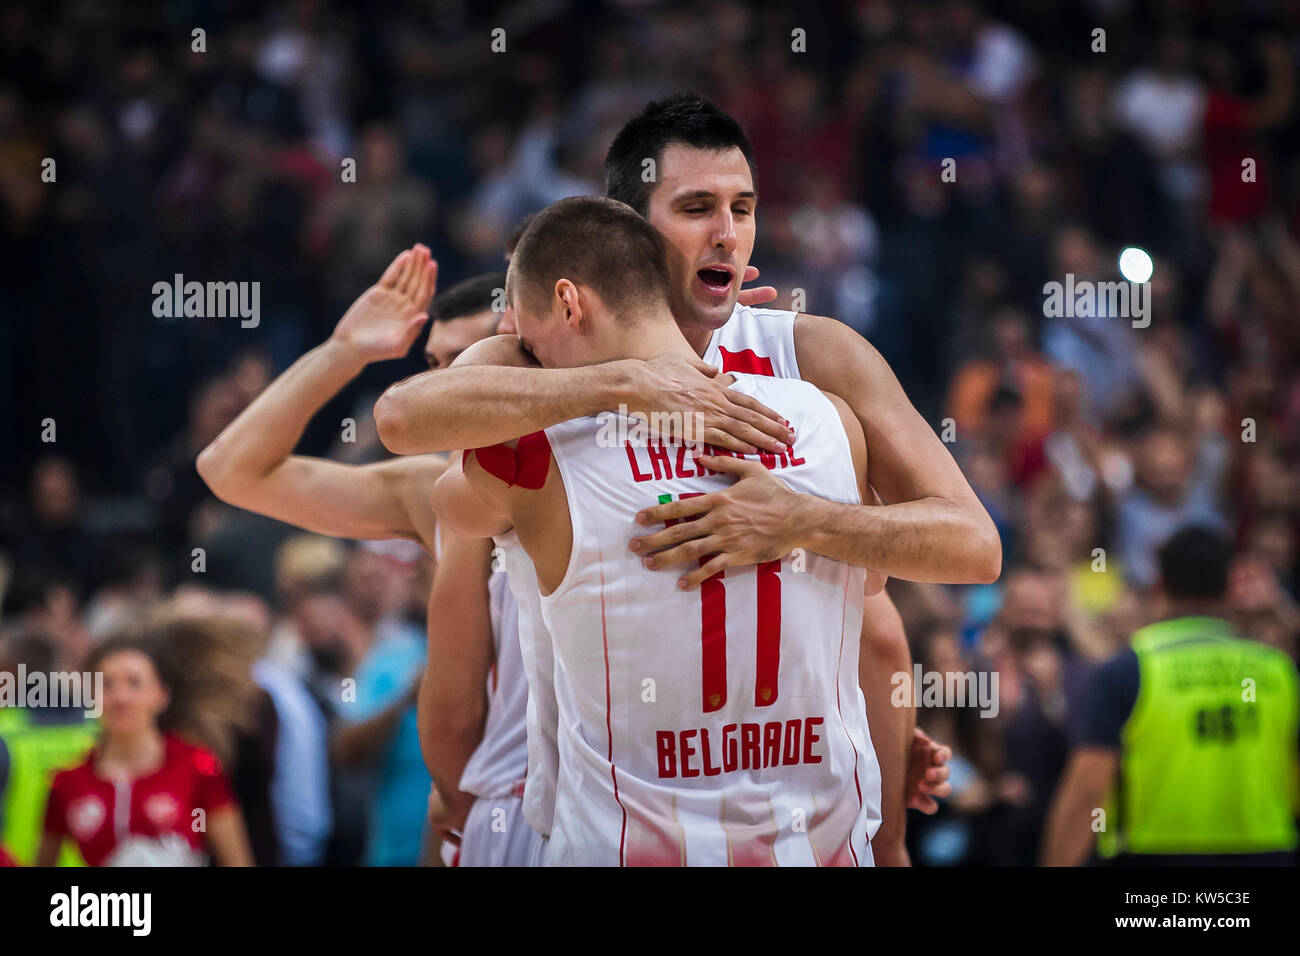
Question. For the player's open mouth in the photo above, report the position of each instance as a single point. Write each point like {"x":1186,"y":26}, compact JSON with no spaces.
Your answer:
{"x":716,"y":279}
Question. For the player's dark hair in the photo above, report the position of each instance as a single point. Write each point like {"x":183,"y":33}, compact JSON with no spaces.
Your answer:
{"x":1194,"y":565}
{"x":476,"y":294}
{"x":685,"y":118}
{"x":517,"y":232}
{"x":595,"y":242}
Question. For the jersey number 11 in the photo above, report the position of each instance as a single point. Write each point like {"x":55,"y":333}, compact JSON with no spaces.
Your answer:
{"x":713,"y":632}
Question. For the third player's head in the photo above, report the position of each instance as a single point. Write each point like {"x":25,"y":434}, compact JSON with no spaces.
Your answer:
{"x":586,"y":281}
{"x":468,"y":311}
{"x":699,"y":192}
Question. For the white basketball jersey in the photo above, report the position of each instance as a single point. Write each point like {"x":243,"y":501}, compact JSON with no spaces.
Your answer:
{"x":719,"y":726}
{"x":542,"y":715}
{"x":758,"y":341}
{"x":500,"y":761}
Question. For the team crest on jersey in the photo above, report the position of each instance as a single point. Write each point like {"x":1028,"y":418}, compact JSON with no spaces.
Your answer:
{"x":161,"y":809}
{"x":86,"y":816}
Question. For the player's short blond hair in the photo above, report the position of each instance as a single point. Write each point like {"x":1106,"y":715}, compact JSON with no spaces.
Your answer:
{"x":599,"y":243}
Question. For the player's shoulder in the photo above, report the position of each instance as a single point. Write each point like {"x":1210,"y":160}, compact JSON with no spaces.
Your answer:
{"x":796,"y":398}
{"x":495,"y":350}
{"x":423,"y":467}
{"x":769,"y":388}
{"x":838,"y":356}
{"x":811,"y":325}
{"x":758,"y":313}
{"x":824,"y":332}
{"x":754,"y":322}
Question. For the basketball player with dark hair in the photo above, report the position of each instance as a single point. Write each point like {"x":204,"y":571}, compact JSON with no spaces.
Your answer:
{"x":703,"y":201}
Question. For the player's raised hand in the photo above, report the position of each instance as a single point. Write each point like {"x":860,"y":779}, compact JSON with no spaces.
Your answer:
{"x":684,"y":399}
{"x":747,"y":523}
{"x":927,"y":772}
{"x":384,"y":322}
{"x":757,"y":295}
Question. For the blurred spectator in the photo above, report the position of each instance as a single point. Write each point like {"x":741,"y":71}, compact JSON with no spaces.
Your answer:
{"x":1176,"y":484}
{"x":1012,"y":364}
{"x":55,"y":533}
{"x":377,"y":712}
{"x":958,"y":835}
{"x":360,"y":223}
{"x":179,"y":680}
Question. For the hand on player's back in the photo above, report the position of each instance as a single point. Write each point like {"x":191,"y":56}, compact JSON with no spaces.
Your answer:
{"x":750,"y":522}
{"x":384,"y":322}
{"x":674,"y":390}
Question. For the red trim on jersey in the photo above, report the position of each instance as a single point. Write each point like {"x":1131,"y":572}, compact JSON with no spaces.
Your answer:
{"x":840,"y":710}
{"x":746,"y":360}
{"x":525,"y":465}
{"x":609,"y":729}
{"x":713,"y":630}
{"x":534,"y":456}
{"x":713,"y":642}
{"x":768,"y":653}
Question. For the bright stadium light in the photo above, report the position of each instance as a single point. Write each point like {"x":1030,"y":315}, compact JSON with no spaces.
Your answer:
{"x":1135,"y":264}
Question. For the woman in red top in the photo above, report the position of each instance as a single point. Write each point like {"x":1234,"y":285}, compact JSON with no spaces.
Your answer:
{"x":144,"y":796}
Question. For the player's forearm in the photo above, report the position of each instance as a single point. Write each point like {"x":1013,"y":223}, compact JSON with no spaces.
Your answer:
{"x":453,"y":702}
{"x":451,"y":728}
{"x":264,"y":434}
{"x":884,"y":653}
{"x":482,"y":405}
{"x":930,"y":540}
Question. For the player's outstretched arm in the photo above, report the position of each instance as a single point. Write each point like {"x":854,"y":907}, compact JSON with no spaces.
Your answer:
{"x":934,"y":528}
{"x":251,"y":463}
{"x":453,"y":696}
{"x":473,"y":407}
{"x":472,"y":509}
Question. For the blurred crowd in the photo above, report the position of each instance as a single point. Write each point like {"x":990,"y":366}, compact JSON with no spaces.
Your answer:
{"x":1088,"y":439}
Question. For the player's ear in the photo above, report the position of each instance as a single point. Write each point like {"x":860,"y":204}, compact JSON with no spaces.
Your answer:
{"x":567,"y":293}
